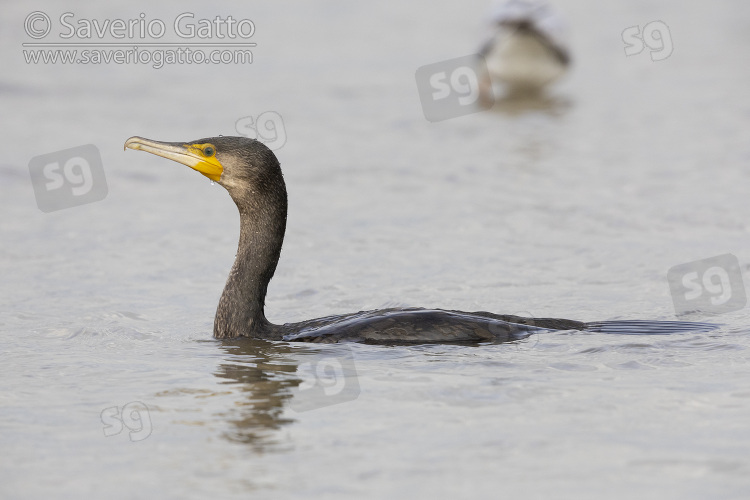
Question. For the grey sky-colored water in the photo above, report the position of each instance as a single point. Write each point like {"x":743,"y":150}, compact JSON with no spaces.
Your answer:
{"x":575,"y":210}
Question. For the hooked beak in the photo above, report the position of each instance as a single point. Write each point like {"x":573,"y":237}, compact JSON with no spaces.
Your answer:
{"x":191,"y":155}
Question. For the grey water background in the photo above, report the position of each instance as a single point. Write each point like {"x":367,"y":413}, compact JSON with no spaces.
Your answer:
{"x":574,"y":210}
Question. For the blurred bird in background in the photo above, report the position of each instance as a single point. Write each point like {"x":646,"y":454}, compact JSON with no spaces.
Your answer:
{"x":527,"y":50}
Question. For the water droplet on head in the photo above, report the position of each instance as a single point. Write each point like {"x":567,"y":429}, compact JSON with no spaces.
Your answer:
{"x":212,"y":183}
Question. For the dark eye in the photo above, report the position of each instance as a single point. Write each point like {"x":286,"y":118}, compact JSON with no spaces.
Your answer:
{"x":209,"y":151}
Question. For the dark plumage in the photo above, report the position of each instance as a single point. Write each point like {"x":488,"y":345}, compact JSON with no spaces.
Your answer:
{"x":252,"y":175}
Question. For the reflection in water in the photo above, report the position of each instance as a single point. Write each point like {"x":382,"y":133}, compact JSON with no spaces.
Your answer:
{"x":267,"y":377}
{"x":518,"y":103}
{"x":537,"y":120}
{"x":274,"y":376}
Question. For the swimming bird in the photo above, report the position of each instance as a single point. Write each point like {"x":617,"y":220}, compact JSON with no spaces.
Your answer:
{"x":526,"y":51}
{"x":251,"y":174}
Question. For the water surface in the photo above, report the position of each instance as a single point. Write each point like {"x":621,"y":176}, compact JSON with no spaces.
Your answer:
{"x":574,"y":209}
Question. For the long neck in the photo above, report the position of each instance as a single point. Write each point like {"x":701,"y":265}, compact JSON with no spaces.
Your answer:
{"x":262,"y":225}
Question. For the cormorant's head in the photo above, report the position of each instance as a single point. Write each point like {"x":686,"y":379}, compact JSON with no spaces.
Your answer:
{"x":242,"y":165}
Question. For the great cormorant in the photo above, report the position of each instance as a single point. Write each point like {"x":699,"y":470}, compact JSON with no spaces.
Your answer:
{"x":251,"y":174}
